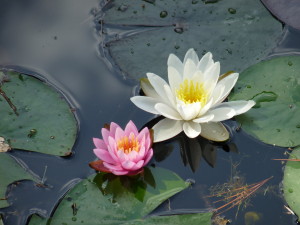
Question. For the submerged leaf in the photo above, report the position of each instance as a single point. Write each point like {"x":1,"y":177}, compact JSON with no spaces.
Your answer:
{"x":35,"y":117}
{"x":275,"y":86}
{"x":122,"y":200}
{"x":139,"y":39}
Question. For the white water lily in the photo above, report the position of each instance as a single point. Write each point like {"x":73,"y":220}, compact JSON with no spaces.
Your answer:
{"x":193,"y":100}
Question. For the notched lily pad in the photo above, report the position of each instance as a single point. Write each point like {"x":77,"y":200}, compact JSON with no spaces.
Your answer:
{"x":108,"y":199}
{"x":34,"y":116}
{"x":286,"y":11}
{"x":139,"y":38}
{"x":10,"y":171}
{"x":291,"y":182}
{"x":275,"y":86}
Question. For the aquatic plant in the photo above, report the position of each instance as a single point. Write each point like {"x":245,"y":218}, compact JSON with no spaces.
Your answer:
{"x":122,"y":152}
{"x":235,"y":194}
{"x":192,"y":101}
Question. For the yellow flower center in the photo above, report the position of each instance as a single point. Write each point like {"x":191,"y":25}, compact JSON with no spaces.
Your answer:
{"x":191,"y":91}
{"x":128,"y":144}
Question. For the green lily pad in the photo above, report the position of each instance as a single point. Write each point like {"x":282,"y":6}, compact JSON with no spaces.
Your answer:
{"x":139,"y":36}
{"x":42,"y":120}
{"x":10,"y":171}
{"x":275,"y":86}
{"x":291,"y":182}
{"x":108,"y":199}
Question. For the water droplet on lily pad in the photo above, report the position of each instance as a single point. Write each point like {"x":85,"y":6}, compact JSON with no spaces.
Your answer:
{"x":232,"y":11}
{"x":163,"y":14}
{"x":32,"y":133}
{"x":123,"y":8}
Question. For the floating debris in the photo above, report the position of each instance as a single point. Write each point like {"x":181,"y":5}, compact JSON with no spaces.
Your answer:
{"x":4,"y":147}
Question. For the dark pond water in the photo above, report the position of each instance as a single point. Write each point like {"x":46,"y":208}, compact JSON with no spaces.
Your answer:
{"x":58,"y":41}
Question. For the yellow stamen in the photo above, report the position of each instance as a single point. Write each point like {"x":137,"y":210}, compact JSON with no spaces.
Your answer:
{"x":191,"y":91}
{"x":128,"y":144}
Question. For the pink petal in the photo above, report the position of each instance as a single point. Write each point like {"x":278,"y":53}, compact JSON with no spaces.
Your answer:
{"x":138,"y":165}
{"x":128,"y":165}
{"x":132,"y":156}
{"x":148,"y":156}
{"x":112,"y":167}
{"x":142,"y":141}
{"x":119,"y":134}
{"x":105,"y":135}
{"x":122,"y":156}
{"x":130,"y":127}
{"x":142,"y":152}
{"x":104,"y":155}
{"x":143,"y":133}
{"x":112,"y":144}
{"x":112,"y":153}
{"x":118,"y":172}
{"x":112,"y":129}
{"x":99,"y":143}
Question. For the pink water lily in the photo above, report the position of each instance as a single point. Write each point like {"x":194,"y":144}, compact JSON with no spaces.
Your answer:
{"x":123,"y":152}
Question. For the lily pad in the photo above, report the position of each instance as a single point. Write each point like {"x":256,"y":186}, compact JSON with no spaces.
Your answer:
{"x":275,"y":86}
{"x":36,"y":117}
{"x":139,"y":36}
{"x":291,"y":182}
{"x":286,"y":11}
{"x":108,"y":199}
{"x":10,"y":171}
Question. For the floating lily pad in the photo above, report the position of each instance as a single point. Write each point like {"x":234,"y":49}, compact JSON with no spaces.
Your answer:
{"x":291,"y":182}
{"x":139,"y":36}
{"x":108,"y":199}
{"x":275,"y":86}
{"x":42,"y":120}
{"x":10,"y":171}
{"x":286,"y":11}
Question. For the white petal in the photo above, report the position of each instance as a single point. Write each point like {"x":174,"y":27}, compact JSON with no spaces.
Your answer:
{"x":228,"y":83}
{"x":170,"y":96}
{"x":205,"y":62}
{"x":221,"y":114}
{"x":167,"y":111}
{"x":175,"y":62}
{"x":175,"y":78}
{"x":214,"y":131}
{"x":148,"y":88}
{"x":189,"y":69}
{"x":145,"y":103}
{"x":191,"y":129}
{"x":166,"y":129}
{"x":204,"y":119}
{"x":198,"y":76}
{"x":158,"y":84}
{"x":188,"y":111}
{"x":217,"y":93}
{"x":211,"y":77}
{"x":191,"y":54}
{"x":206,"y":107}
{"x":238,"y":106}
